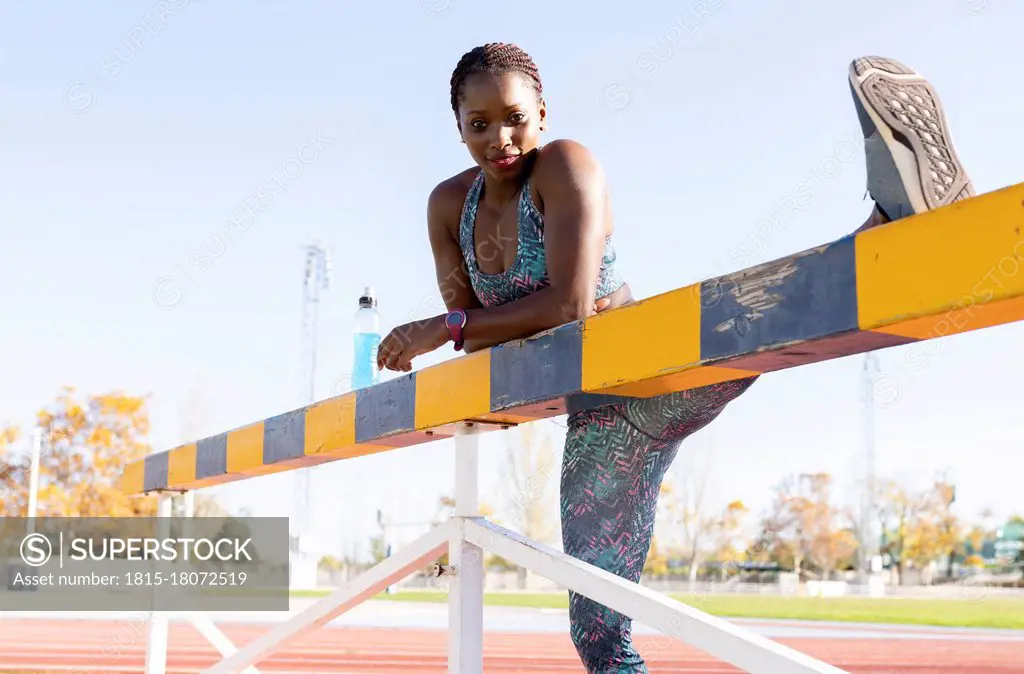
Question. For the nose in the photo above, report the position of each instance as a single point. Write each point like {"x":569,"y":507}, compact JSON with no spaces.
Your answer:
{"x":503,"y":138}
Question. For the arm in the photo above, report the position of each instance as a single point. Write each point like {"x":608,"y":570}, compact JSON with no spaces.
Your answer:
{"x":452,"y":279}
{"x":573,"y":188}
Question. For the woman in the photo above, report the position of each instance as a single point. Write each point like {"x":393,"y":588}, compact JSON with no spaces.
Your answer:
{"x":522,"y":243}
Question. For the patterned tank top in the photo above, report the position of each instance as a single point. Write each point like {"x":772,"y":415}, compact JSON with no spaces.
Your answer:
{"x":529,"y":272}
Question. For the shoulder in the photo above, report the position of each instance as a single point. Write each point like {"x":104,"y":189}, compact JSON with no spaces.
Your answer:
{"x":566,"y":158}
{"x":567,"y":166}
{"x":444,"y":204}
{"x":567,"y":170}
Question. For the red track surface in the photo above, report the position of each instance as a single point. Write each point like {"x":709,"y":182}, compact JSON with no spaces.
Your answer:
{"x":98,"y":646}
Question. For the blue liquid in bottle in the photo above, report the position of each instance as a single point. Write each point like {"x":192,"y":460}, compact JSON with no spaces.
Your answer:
{"x":366,"y":338}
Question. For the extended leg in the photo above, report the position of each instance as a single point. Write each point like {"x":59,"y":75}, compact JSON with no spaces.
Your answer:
{"x":912,"y":166}
{"x":611,"y":475}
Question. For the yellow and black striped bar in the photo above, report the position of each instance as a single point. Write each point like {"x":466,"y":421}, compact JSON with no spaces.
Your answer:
{"x":949,"y":271}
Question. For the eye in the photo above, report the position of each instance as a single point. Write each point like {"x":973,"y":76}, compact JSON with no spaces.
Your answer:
{"x":517,"y":117}
{"x":478,"y":124}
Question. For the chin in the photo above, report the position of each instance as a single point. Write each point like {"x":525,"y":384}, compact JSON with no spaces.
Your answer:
{"x":510,"y":173}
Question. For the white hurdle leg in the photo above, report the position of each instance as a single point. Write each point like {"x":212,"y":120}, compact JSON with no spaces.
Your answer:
{"x":156,"y":645}
{"x":466,"y":594}
{"x":218,"y":639}
{"x":204,"y":625}
{"x":417,"y":555}
{"x":720,"y":638}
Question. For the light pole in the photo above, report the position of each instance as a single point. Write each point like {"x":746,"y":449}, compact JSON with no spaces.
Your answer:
{"x":316,"y":278}
{"x":869,"y":510}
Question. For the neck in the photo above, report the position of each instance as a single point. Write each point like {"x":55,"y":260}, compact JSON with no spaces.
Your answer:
{"x":498,"y":192}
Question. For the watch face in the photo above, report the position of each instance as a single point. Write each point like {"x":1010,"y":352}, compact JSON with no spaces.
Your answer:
{"x":455,"y":319}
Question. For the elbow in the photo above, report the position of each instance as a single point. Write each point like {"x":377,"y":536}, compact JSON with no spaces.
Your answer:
{"x":570,"y":310}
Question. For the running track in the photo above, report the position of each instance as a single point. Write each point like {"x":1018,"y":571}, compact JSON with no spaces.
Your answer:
{"x":91,"y":645}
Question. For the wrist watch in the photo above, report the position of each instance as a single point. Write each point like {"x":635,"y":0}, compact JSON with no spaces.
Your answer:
{"x":456,"y":321}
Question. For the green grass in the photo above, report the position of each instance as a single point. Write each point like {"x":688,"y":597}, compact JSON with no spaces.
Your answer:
{"x":993,"y":613}
{"x":997,"y":613}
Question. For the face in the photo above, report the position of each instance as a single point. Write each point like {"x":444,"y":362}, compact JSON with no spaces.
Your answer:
{"x":500,"y":119}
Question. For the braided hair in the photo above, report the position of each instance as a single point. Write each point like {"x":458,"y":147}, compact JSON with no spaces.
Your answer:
{"x":493,"y":58}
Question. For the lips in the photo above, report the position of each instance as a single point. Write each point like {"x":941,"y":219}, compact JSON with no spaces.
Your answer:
{"x":505,"y":161}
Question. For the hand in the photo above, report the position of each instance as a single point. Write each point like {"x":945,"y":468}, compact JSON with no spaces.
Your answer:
{"x":602,"y":304}
{"x":405,"y":342}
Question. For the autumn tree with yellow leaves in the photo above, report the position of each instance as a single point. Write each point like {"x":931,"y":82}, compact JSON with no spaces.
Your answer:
{"x":682,"y":508}
{"x":702,"y":535}
{"x":727,"y":535}
{"x":87,"y":441}
{"x":808,"y":529}
{"x":919,"y":526}
{"x":656,"y":564}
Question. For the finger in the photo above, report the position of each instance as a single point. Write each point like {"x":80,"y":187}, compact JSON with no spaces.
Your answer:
{"x":389,"y":349}
{"x":393,"y":360}
{"x":401,"y":362}
{"x":404,"y":362}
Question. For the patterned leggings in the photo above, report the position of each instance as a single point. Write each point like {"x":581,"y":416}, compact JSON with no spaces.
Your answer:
{"x":614,"y":461}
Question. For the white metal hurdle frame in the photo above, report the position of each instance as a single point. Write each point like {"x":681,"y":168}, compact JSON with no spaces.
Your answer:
{"x":466,"y":536}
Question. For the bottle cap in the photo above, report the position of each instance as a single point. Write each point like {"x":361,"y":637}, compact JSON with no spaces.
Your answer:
{"x":368,"y":298}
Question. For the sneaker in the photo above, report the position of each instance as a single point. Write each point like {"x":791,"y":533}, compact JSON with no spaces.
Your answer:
{"x":911,"y":164}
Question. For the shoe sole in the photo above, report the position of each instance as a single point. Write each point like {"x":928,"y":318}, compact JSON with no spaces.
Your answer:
{"x":912,"y":166}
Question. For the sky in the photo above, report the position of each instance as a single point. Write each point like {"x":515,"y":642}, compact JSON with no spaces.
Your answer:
{"x":136,"y":133}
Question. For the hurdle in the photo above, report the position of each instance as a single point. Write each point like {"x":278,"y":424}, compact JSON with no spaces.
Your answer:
{"x":949,"y":271}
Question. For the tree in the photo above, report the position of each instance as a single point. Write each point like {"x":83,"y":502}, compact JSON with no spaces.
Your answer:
{"x":87,"y":442}
{"x":974,"y":540}
{"x":378,"y":549}
{"x":684,"y":511}
{"x":330,"y":563}
{"x":529,"y":485}
{"x":923,"y":542}
{"x":656,"y":563}
{"x":919,"y":527}
{"x":936,"y":532}
{"x":9,"y":464}
{"x":527,"y":493}
{"x":815,"y":533}
{"x":726,"y":533}
{"x":951,"y":530}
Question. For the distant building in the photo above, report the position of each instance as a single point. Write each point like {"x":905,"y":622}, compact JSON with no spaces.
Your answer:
{"x":1009,"y":543}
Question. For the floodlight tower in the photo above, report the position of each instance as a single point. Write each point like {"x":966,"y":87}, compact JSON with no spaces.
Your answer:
{"x":316,"y":278}
{"x":869,"y":538}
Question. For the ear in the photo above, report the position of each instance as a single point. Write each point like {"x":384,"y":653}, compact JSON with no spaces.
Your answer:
{"x":458,"y":125}
{"x":542,"y":110}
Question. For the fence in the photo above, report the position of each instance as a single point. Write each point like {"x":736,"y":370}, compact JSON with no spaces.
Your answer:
{"x":948,"y":271}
